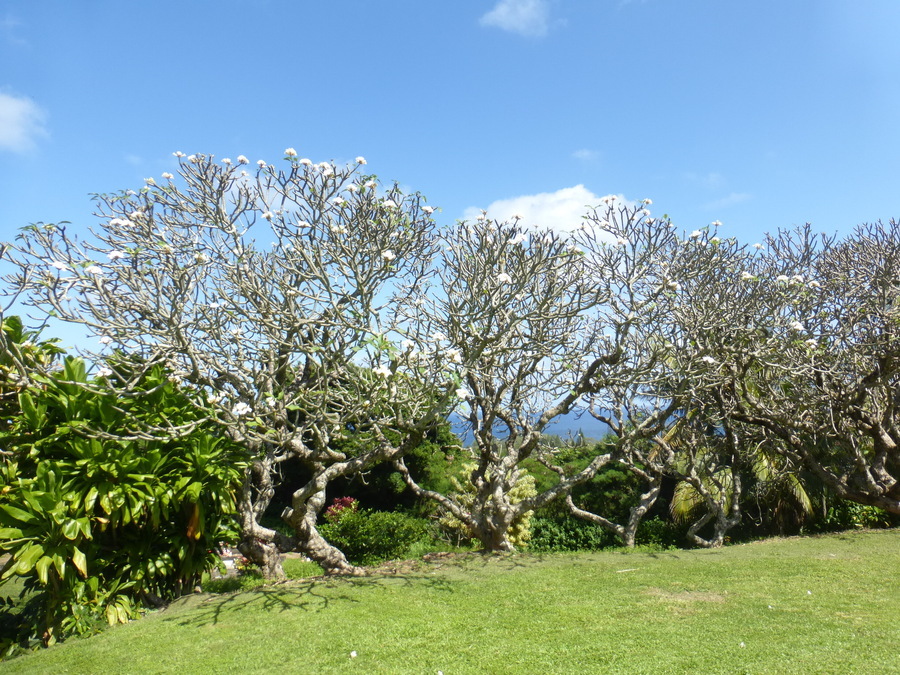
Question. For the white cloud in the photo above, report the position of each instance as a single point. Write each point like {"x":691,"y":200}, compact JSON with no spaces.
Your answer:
{"x":530,"y":18}
{"x":729,"y":200}
{"x":712,"y":180}
{"x":562,"y":210}
{"x":8,"y":26}
{"x":586,"y":155}
{"x":21,"y":123}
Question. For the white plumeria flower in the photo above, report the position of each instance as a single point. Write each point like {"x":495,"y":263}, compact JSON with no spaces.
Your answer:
{"x":519,"y":238}
{"x":645,"y":212}
{"x":814,"y":284}
{"x":716,"y":223}
{"x":796,"y":325}
{"x":757,"y":246}
{"x":353,"y":654}
{"x":388,"y":254}
{"x":105,"y":340}
{"x":353,"y":187}
{"x":746,"y":276}
{"x":648,"y":202}
{"x":303,"y":223}
{"x":339,"y":229}
{"x":463,"y":393}
{"x":212,"y":399}
{"x":242,"y":160}
{"x":797,"y":279}
{"x":708,"y":359}
{"x":261,"y":163}
{"x":214,"y":305}
{"x":167,"y":175}
{"x":428,"y":210}
{"x":104,"y":372}
{"x":137,"y":214}
{"x":407,"y":345}
{"x":622,"y":241}
{"x":439,"y":337}
{"x":150,"y":181}
{"x":715,"y":240}
{"x":226,"y":160}
{"x":382,"y":370}
{"x":268,"y":215}
{"x":454,"y":355}
{"x":504,"y":278}
{"x":696,"y":234}
{"x":241,"y":409}
{"x":178,"y":154}
{"x":290,"y":152}
{"x":193,"y":159}
{"x":115,"y":255}
{"x":812,"y":343}
{"x":371,"y":184}
{"x":361,"y":160}
{"x":59,"y":265}
{"x":306,"y":161}
{"x":481,"y":216}
{"x":338,"y":201}
{"x":94,"y":269}
{"x":389,"y":204}
{"x":674,"y":285}
{"x":782,"y":278}
{"x":120,"y":222}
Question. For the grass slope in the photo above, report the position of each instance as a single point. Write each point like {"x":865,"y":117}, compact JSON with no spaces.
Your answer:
{"x":804,"y":605}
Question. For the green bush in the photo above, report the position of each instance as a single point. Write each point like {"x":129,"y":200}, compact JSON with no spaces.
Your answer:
{"x":659,"y":533}
{"x":567,"y":534}
{"x":845,"y":515}
{"x":369,"y":537}
{"x":465,"y":494}
{"x":100,"y":523}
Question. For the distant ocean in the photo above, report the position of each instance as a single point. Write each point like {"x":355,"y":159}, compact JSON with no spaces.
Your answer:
{"x":569,"y":425}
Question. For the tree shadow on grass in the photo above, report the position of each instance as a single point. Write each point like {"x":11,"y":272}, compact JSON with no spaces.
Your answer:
{"x":314,"y":595}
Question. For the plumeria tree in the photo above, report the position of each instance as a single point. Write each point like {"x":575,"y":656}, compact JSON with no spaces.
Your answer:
{"x":506,"y":327}
{"x":815,"y":368}
{"x":649,"y":274}
{"x":539,"y":325}
{"x":272,"y":291}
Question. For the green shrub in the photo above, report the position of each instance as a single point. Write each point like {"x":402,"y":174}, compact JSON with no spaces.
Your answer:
{"x":845,"y":515}
{"x":369,"y":537}
{"x":567,"y":534}
{"x":99,"y":526}
{"x":659,"y":533}
{"x":465,"y":493}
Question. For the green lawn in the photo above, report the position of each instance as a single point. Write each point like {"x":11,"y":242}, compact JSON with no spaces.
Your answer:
{"x":826,"y":604}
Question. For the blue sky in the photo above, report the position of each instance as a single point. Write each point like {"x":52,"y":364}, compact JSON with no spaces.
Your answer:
{"x":760,"y":114}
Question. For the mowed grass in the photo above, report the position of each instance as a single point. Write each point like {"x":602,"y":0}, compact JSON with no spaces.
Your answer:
{"x":825,"y":604}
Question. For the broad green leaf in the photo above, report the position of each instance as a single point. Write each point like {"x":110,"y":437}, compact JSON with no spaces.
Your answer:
{"x":29,"y":410}
{"x":19,"y":514}
{"x":79,"y":560}
{"x":60,"y":563}
{"x":42,"y":566}
{"x":28,"y":557}
{"x":71,"y":529}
